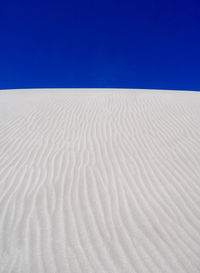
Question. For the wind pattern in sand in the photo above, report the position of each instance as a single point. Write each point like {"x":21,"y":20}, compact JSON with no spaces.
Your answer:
{"x":99,"y":181}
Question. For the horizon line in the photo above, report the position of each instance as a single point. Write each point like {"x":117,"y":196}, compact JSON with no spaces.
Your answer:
{"x":99,"y":88}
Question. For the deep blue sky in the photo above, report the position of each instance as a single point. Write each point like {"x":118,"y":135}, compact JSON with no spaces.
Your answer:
{"x":122,"y":44}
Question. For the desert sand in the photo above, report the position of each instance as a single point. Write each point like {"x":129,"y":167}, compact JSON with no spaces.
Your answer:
{"x":99,"y":181}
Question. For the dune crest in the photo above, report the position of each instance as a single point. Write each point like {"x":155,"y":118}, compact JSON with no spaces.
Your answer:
{"x":103,"y":181}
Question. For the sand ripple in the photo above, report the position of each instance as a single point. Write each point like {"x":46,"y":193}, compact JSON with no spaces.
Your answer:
{"x":99,"y":181}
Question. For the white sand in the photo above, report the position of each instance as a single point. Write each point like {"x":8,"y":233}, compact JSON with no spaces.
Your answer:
{"x":100,"y":181}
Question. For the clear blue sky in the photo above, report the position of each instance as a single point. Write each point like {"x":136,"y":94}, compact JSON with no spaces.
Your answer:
{"x":120,"y":44}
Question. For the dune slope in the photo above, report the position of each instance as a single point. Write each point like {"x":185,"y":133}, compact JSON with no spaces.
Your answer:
{"x":99,"y":181}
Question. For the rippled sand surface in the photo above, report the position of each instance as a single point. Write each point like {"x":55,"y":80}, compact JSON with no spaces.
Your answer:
{"x":99,"y":181}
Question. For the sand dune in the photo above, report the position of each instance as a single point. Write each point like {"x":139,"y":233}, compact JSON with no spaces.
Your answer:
{"x":99,"y":181}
